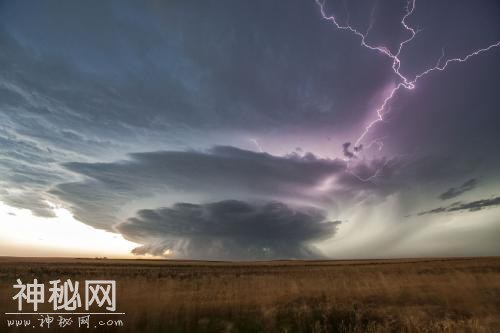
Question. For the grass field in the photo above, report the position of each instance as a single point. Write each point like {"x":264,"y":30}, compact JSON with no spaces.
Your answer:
{"x":420,"y":295}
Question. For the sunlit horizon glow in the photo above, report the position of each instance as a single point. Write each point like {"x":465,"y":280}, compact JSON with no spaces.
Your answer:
{"x":23,"y":234}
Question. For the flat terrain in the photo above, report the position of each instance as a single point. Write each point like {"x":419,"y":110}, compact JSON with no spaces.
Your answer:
{"x":407,"y":295}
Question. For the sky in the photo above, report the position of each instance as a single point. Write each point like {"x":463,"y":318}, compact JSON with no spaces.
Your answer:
{"x":250,"y":130}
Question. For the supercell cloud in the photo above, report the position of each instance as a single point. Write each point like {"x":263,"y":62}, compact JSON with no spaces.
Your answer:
{"x":229,"y":230}
{"x":222,"y":172}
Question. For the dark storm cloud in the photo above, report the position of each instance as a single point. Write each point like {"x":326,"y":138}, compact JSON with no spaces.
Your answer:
{"x":455,"y":192}
{"x":93,"y":82}
{"x":210,"y":64}
{"x":221,"y":171}
{"x":229,"y":230}
{"x":461,"y":206}
{"x":160,"y":74}
{"x":54,"y":101}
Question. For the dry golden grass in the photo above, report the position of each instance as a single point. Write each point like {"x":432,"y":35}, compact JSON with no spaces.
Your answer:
{"x":422,"y":295}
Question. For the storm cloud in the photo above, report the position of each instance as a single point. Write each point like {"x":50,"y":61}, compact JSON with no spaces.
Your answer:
{"x":229,"y":230}
{"x":221,"y":172}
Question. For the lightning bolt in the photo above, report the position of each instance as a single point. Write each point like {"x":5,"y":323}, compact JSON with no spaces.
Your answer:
{"x":404,"y":81}
{"x":257,"y":144}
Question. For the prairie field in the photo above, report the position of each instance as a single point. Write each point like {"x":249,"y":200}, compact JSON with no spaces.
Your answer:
{"x":405,"y":295}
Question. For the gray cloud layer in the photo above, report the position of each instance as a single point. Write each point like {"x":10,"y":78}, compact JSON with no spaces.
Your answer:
{"x":221,"y":172}
{"x":229,"y":230}
{"x":460,"y":206}
{"x":455,"y":192}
